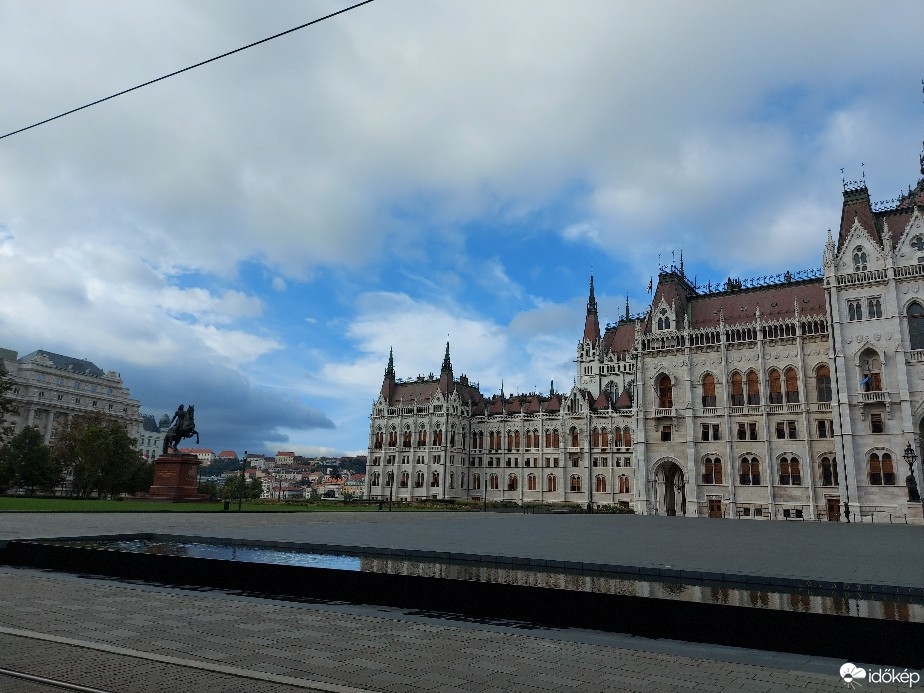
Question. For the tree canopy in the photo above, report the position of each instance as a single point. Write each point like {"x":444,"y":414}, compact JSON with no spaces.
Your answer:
{"x":8,"y":408}
{"x":25,"y":462}
{"x":101,"y":457}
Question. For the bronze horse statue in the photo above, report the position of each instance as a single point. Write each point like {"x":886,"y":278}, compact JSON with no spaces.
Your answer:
{"x":183,"y":426}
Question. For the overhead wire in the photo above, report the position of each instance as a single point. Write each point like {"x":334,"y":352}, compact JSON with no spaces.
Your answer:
{"x":187,"y":69}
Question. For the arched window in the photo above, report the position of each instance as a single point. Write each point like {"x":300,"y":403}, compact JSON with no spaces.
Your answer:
{"x":776,"y":387}
{"x":406,"y":437}
{"x":595,"y":437}
{"x":750,"y":471}
{"x":753,"y":388}
{"x":516,"y":440}
{"x":575,"y":483}
{"x":792,"y":385}
{"x":530,"y":482}
{"x":823,"y":383}
{"x":476,"y":481}
{"x":623,"y":484}
{"x":712,"y":470}
{"x":393,"y":438}
{"x":870,"y":371}
{"x":881,"y":471}
{"x":512,"y":482}
{"x":437,"y":437}
{"x":708,"y":390}
{"x":874,"y":308}
{"x":405,"y":479}
{"x":665,"y":392}
{"x":789,"y":472}
{"x":452,"y":437}
{"x":422,"y":437}
{"x":528,"y":444}
{"x":859,"y":259}
{"x":737,"y":390}
{"x":916,"y":325}
{"x":575,"y":439}
{"x":551,"y":483}
{"x":617,"y":437}
{"x":435,"y":480}
{"x":828,"y":471}
{"x":556,"y":440}
{"x":495,"y":483}
{"x":419,"y":480}
{"x":604,"y":439}
{"x":626,"y":437}
{"x":376,"y":478}
{"x":600,"y":483}
{"x":390,"y":478}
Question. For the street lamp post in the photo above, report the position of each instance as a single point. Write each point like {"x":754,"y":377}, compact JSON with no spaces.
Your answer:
{"x":240,"y":495}
{"x":391,"y":491}
{"x":911,"y":457}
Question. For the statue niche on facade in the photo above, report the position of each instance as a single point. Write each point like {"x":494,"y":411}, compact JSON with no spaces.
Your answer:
{"x":182,"y":425}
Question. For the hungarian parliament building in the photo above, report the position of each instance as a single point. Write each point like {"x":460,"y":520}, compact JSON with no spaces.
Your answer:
{"x":797,"y":396}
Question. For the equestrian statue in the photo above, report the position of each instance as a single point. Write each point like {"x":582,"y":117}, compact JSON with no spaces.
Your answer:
{"x":183,"y":425}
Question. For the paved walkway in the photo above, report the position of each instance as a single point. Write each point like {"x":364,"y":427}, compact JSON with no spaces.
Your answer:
{"x":115,"y":636}
{"x":808,"y":551}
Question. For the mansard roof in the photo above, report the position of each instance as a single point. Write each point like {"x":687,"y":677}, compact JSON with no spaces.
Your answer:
{"x":424,"y":389}
{"x":68,"y":363}
{"x":775,"y":302}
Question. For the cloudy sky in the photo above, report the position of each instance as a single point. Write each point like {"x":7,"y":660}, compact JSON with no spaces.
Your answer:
{"x":252,"y":236}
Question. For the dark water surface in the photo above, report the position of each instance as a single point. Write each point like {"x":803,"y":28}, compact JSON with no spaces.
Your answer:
{"x":897,"y":608}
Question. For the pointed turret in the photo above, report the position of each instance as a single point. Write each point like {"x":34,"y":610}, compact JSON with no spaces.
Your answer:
{"x":388,"y":383}
{"x":592,"y":322}
{"x":446,"y":374}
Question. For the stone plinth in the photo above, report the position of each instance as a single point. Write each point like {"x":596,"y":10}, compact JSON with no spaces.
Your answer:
{"x":176,"y":478}
{"x":914,"y":511}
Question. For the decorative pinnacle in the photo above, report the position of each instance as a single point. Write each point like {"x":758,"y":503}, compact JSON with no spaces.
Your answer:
{"x":591,"y":300}
{"x":447,"y":365}
{"x":390,"y":369}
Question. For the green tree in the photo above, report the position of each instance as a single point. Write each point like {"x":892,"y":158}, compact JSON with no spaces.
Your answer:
{"x":253,"y":488}
{"x":25,"y":461}
{"x":100,"y":456}
{"x":8,"y":407}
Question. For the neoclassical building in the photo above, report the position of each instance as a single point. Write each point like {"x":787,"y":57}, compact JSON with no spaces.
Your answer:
{"x":794,"y":396}
{"x":49,"y":389}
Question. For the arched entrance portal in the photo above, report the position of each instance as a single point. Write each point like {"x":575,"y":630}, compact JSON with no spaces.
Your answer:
{"x":671,"y":489}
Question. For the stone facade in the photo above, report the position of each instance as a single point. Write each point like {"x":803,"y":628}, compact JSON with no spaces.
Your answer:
{"x":793,"y":397}
{"x":50,"y":388}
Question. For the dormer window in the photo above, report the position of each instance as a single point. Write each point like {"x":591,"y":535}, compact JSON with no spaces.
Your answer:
{"x":664,"y":321}
{"x":859,"y":259}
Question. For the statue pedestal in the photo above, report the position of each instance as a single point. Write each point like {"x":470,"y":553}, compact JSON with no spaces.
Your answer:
{"x":176,"y":478}
{"x":914,"y":511}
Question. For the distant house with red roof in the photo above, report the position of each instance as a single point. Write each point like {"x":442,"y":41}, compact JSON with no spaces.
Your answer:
{"x":284,"y":457}
{"x":205,"y":455}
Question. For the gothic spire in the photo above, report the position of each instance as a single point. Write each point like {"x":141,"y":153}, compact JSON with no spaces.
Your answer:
{"x":447,"y":365}
{"x":446,"y":379}
{"x":390,"y":369}
{"x":591,"y":322}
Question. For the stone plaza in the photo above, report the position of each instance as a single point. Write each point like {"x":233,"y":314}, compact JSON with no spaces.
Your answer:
{"x":116,"y":635}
